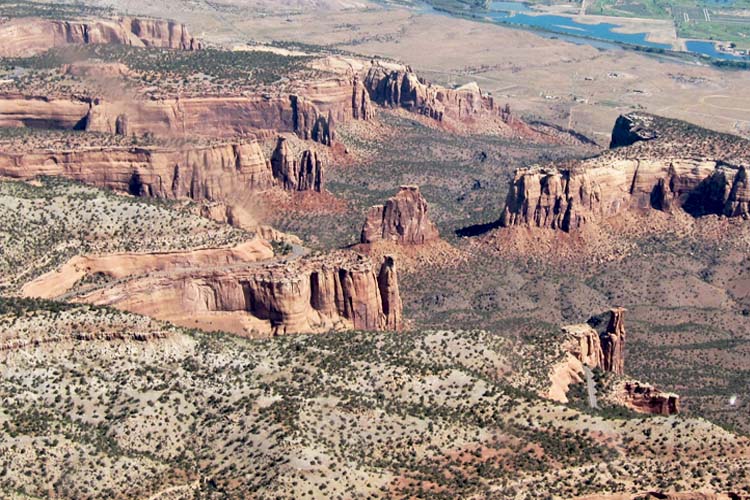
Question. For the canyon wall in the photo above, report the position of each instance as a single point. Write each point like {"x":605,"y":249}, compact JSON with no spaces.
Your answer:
{"x":403,"y":219}
{"x":212,"y":173}
{"x":647,"y":170}
{"x":311,"y":112}
{"x":306,"y":295}
{"x":603,"y":348}
{"x":303,"y":174}
{"x":25,"y":37}
{"x":196,"y":172}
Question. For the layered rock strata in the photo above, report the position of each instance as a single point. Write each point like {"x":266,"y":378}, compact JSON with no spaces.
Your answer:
{"x":311,"y":113}
{"x":658,"y":164}
{"x":25,"y":37}
{"x":403,"y":219}
{"x":310,"y":294}
{"x":303,"y":174}
{"x":219,"y":172}
{"x":399,"y":86}
{"x":196,"y":172}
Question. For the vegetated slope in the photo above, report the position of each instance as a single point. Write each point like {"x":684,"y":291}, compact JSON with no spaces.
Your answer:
{"x":44,"y":225}
{"x":349,"y":415}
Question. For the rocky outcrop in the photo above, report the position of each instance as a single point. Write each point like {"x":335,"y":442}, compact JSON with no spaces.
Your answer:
{"x":584,"y":344}
{"x":403,"y":219}
{"x":632,"y":128}
{"x":25,"y":37}
{"x":399,"y":87}
{"x":309,"y":294}
{"x":303,"y":174}
{"x":645,"y":398}
{"x":667,"y":166}
{"x":613,"y":343}
{"x":214,"y":172}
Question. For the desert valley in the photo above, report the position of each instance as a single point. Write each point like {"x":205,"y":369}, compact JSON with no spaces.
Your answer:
{"x":367,"y":249}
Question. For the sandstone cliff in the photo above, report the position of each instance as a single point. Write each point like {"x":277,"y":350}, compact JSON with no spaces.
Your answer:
{"x":398,"y":86}
{"x":403,"y":219}
{"x":658,"y":164}
{"x":25,"y":37}
{"x":310,"y":294}
{"x":198,"y":172}
{"x":311,"y":111}
{"x":604,"y":349}
{"x":216,"y":172}
{"x":303,"y":174}
{"x":613,"y":343}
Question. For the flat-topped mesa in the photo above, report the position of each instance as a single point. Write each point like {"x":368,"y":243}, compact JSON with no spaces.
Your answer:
{"x":303,"y":174}
{"x":403,"y":219}
{"x":210,"y":172}
{"x":401,"y":87}
{"x":307,"y":295}
{"x":25,"y":37}
{"x":657,"y":164}
{"x":311,"y":112}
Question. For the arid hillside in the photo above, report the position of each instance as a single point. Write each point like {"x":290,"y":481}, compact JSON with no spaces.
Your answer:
{"x":356,"y":249}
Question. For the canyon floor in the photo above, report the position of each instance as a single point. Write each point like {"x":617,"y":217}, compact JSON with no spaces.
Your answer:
{"x":270,"y":261}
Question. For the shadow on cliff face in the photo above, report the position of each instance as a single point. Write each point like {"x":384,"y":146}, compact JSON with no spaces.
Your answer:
{"x":477,"y":229}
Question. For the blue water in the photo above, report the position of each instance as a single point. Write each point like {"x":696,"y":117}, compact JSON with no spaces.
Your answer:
{"x":709,"y":49}
{"x":520,"y":13}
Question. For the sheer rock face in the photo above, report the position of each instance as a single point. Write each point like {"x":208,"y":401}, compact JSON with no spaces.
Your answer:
{"x":644,"y":398}
{"x":199,"y":173}
{"x":399,"y":87}
{"x":584,"y":344}
{"x":402,"y":219}
{"x":311,"y":112}
{"x":26,"y":37}
{"x":599,"y":349}
{"x":652,"y":168}
{"x":613,"y":343}
{"x":305,"y":174}
{"x":403,"y":88}
{"x":311,"y":294}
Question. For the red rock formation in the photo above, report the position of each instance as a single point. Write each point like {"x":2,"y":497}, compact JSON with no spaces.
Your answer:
{"x":644,"y":398}
{"x":390,"y":295}
{"x":197,"y":172}
{"x":584,"y":344}
{"x":402,"y":219}
{"x":673,"y":167}
{"x":29,"y":36}
{"x":396,"y":86}
{"x":311,"y":294}
{"x":311,"y":113}
{"x":604,"y":349}
{"x":613,"y":343}
{"x":305,"y":174}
